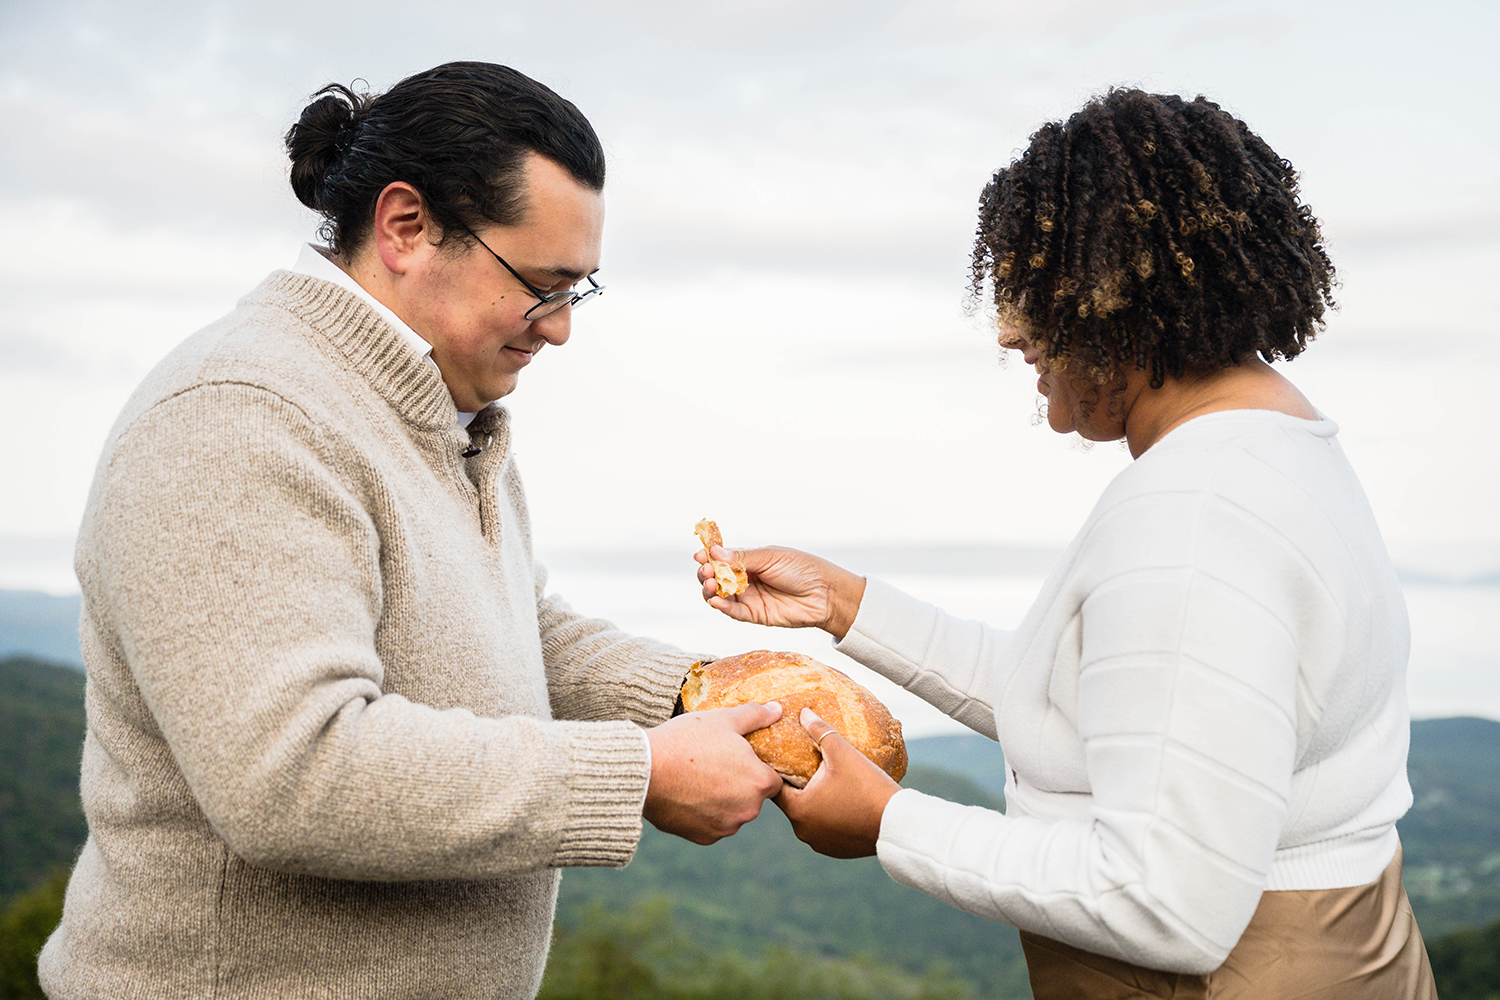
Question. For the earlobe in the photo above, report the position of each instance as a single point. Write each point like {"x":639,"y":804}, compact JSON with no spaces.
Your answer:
{"x":401,"y":226}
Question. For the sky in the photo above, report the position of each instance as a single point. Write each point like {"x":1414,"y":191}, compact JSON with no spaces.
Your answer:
{"x":784,"y":344}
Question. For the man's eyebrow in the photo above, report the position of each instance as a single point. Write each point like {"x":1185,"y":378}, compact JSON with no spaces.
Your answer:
{"x":570,"y":273}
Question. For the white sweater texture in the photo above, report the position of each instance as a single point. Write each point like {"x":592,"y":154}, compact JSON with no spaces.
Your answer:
{"x":1206,"y":701}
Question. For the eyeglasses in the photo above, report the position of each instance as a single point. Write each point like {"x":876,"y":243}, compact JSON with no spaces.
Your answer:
{"x":547,"y":302}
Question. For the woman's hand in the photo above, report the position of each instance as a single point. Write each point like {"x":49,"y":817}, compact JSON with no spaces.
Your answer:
{"x":787,"y":588}
{"x":838,"y":813}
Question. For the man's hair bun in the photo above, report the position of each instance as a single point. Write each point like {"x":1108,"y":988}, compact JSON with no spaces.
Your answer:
{"x":320,"y":139}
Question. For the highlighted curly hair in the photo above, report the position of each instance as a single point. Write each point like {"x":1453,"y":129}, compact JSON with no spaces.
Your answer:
{"x":1154,"y":232}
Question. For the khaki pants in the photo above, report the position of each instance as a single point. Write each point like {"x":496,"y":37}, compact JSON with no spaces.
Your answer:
{"x":1360,"y":943}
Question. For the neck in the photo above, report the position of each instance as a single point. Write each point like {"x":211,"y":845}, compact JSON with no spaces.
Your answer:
{"x":365,"y":267}
{"x":1249,"y":385}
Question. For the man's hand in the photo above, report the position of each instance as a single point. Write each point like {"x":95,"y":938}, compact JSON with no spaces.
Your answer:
{"x":787,"y":588}
{"x":838,"y":813}
{"x":706,"y":781}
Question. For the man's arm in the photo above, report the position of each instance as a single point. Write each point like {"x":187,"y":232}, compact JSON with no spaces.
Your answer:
{"x":706,"y":781}
{"x":596,"y":671}
{"x":241,"y":589}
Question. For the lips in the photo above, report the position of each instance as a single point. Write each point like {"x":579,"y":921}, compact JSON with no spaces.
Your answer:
{"x":522,"y":355}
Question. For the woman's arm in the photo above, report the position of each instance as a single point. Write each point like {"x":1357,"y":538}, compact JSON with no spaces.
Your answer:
{"x":1187,"y":659}
{"x":1184,"y":647}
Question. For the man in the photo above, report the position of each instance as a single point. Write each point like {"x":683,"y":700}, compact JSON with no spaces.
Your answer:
{"x":340,"y":739}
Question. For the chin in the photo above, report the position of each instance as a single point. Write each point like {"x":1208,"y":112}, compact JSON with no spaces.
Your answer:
{"x":1060,"y":426}
{"x":494,"y":392}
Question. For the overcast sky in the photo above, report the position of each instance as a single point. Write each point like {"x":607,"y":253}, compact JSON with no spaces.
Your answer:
{"x":791,"y":201}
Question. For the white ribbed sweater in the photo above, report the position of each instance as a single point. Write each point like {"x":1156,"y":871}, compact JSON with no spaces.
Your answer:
{"x":1206,"y":701}
{"x":325,"y":754}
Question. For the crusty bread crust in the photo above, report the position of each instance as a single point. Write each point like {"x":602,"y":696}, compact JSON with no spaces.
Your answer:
{"x":798,"y":682}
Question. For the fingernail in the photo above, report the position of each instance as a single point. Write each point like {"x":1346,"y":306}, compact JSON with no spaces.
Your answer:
{"x":774,"y":706}
{"x":809,"y":717}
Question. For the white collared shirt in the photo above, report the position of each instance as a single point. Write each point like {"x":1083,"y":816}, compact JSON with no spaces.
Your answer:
{"x":315,"y":263}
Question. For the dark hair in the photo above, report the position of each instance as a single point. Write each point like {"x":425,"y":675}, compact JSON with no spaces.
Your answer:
{"x":459,"y":133}
{"x":1154,"y":232}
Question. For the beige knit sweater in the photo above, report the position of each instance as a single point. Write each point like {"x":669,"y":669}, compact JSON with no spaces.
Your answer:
{"x":326,"y":754}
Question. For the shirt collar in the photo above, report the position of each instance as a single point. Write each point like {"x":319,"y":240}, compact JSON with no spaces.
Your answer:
{"x":314,"y":262}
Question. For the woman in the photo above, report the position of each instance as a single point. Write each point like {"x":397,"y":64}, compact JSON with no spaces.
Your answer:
{"x":1204,"y":713}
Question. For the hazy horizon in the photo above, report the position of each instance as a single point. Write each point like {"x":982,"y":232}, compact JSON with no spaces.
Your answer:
{"x":652,"y":591}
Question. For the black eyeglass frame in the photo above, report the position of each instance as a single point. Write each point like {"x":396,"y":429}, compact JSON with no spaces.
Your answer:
{"x":566,"y":297}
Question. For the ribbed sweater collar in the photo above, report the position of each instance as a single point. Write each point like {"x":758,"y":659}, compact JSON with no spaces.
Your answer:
{"x":371,"y":347}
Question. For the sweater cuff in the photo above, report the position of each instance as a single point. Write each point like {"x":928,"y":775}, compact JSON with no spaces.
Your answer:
{"x":921,"y":834}
{"x":905,"y":846}
{"x":650,"y":696}
{"x":606,"y":786}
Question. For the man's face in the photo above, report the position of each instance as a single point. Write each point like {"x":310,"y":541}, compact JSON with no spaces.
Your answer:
{"x":472,"y":310}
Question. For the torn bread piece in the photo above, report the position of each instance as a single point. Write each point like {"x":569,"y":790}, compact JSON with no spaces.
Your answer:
{"x":797,"y":682}
{"x":731,"y":579}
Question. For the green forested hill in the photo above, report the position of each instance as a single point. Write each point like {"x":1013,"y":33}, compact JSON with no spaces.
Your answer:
{"x":762,"y":888}
{"x":41,"y":737}
{"x":1451,"y":836}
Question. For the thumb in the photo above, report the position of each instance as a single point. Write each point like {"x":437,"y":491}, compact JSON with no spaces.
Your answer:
{"x":752,"y":715}
{"x":817,"y":728}
{"x":734,"y":557}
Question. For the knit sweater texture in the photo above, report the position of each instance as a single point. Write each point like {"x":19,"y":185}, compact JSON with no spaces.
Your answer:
{"x":1207,"y":701}
{"x":340,"y":738}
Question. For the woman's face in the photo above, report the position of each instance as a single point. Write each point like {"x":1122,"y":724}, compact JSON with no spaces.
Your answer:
{"x":1075,"y":403}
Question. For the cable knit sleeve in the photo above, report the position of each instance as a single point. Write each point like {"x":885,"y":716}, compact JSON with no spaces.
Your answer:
{"x":595,"y":671}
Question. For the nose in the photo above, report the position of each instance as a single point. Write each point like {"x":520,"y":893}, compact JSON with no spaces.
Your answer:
{"x":1011,"y":340}
{"x":555,"y":327}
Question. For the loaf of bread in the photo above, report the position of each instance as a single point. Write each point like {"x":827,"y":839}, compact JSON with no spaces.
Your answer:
{"x":798,"y":682}
{"x":732,"y":580}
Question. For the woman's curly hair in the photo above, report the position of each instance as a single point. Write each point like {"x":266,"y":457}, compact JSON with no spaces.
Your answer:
{"x":1154,"y":232}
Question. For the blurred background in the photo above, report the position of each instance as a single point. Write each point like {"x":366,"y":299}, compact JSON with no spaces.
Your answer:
{"x":784,"y":345}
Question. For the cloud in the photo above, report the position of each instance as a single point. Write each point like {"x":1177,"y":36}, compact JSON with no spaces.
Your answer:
{"x":26,"y":353}
{"x":162,"y":163}
{"x":1260,"y":28}
{"x":791,"y":201}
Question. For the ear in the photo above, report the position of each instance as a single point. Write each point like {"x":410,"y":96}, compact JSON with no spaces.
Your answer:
{"x":403,"y":231}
